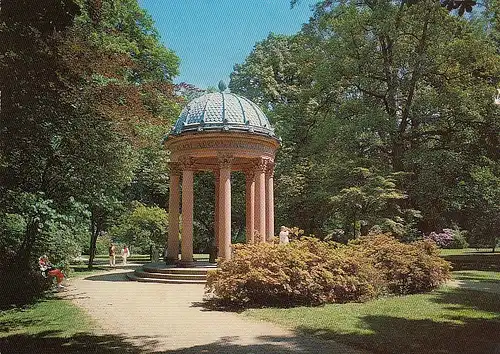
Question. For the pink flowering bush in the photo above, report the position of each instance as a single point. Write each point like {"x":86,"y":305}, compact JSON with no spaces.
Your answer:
{"x":443,"y":239}
{"x":448,"y":238}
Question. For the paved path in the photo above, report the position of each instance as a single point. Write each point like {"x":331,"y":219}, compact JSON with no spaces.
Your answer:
{"x":168,"y":318}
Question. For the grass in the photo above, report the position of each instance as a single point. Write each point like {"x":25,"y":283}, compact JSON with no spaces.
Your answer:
{"x":139,"y":257}
{"x":472,"y":259}
{"x":467,"y":251}
{"x":53,"y":315}
{"x":477,"y":276}
{"x":448,"y":320}
{"x":82,"y":270}
{"x":56,"y":326}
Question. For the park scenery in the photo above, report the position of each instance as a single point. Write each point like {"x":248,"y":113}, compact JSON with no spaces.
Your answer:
{"x":333,"y":189}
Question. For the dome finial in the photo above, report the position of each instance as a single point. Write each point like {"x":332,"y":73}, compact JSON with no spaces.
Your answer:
{"x":222,"y":86}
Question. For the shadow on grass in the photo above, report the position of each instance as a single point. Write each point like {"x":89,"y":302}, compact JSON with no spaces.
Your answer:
{"x":481,"y":261}
{"x":471,"y":276}
{"x":400,"y":335}
{"x":451,"y":334}
{"x":470,"y":299}
{"x":48,"y":342}
{"x":14,"y":325}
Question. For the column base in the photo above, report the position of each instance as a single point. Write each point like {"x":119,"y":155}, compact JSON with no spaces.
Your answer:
{"x":185,"y":264}
{"x":170,"y":261}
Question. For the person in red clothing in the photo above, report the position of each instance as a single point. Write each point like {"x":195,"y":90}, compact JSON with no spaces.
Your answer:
{"x":50,"y":271}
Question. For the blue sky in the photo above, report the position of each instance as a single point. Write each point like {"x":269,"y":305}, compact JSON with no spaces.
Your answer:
{"x":210,"y":36}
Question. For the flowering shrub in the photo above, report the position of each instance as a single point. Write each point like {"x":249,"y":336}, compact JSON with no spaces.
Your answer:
{"x":448,"y":238}
{"x":405,"y":268}
{"x":304,"y":272}
{"x":313,"y":272}
{"x":442,"y":239}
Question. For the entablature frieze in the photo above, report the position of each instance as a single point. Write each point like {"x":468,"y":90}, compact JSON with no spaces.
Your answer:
{"x":215,"y":145}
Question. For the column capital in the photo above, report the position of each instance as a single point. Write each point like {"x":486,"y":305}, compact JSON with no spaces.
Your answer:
{"x":260,"y":164}
{"x":175,"y":168}
{"x":249,"y":174}
{"x":225,"y":160}
{"x":187,"y":163}
{"x":270,"y":169}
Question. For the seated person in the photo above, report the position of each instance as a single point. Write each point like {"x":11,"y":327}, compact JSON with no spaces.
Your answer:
{"x":50,"y":271}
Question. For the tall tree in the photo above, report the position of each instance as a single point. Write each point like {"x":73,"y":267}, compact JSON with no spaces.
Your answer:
{"x":87,"y":91}
{"x":384,"y":86}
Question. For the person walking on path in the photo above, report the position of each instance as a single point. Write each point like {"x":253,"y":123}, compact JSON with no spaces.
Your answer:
{"x":125,"y":254}
{"x":112,"y":255}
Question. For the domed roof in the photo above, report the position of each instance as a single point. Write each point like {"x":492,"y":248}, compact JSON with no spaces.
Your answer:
{"x":222,"y":112}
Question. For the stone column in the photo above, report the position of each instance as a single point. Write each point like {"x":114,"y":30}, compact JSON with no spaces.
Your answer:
{"x":216,"y":212}
{"x":250,"y":206}
{"x":225,"y":206}
{"x":173,"y":214}
{"x":260,"y":199}
{"x":270,"y":201}
{"x":187,"y":213}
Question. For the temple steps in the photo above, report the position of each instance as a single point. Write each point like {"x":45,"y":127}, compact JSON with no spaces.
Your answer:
{"x":161,"y":273}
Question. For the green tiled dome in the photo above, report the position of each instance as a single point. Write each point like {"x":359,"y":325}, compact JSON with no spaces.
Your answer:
{"x":222,"y":112}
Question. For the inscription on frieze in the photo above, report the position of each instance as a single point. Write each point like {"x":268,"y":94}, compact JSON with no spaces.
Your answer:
{"x":200,"y":145}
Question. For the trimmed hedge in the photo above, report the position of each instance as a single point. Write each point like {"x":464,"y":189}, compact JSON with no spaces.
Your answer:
{"x":313,"y":272}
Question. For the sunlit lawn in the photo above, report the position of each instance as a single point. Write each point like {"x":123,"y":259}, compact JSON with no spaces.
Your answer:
{"x":467,"y":251}
{"x":59,"y":317}
{"x":448,"y":320}
{"x":56,"y":326}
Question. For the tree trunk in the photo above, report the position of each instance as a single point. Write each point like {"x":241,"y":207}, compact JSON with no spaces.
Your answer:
{"x":24,"y":254}
{"x":94,"y":229}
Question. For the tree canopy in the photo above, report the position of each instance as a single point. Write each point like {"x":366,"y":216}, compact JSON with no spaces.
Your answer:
{"x":388,"y":88}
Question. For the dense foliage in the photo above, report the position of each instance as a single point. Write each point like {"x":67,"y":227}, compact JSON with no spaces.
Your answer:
{"x":86,"y":95}
{"x":405,"y":268}
{"x":311,"y":272}
{"x":387,"y":119}
{"x":144,"y":227}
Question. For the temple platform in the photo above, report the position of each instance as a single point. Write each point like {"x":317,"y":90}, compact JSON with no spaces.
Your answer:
{"x":195,"y":273}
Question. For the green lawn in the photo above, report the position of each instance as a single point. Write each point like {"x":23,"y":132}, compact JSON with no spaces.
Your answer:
{"x":139,"y":257}
{"x":59,"y":317}
{"x":448,"y":320}
{"x":467,"y":251}
{"x":82,"y":270}
{"x":56,"y":326}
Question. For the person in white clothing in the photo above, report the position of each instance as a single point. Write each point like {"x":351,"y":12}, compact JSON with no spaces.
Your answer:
{"x":284,"y":235}
{"x":125,"y":254}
